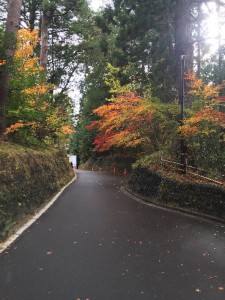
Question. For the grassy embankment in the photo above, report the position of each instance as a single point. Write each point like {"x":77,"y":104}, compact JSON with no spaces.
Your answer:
{"x":28,"y":178}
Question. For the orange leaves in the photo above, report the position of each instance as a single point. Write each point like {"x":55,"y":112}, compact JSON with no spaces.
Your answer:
{"x":17,"y":126}
{"x":42,"y":119}
{"x":40,"y":89}
{"x":209,"y":116}
{"x":197,"y":88}
{"x":203,"y":122}
{"x":66,"y":129}
{"x":122,"y":122}
{"x":2,"y":62}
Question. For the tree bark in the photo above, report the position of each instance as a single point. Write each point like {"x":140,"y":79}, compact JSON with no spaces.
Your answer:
{"x":199,"y":44}
{"x":9,"y":44}
{"x":44,"y":39}
{"x":183,"y":40}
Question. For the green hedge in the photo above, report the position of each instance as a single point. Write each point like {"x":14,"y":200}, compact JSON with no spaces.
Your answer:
{"x":28,"y":178}
{"x":205,"y":198}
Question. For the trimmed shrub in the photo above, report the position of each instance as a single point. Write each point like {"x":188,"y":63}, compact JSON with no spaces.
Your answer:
{"x":205,"y":198}
{"x":144,"y":181}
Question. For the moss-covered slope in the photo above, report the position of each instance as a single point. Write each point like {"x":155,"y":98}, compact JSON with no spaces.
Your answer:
{"x":27,"y":178}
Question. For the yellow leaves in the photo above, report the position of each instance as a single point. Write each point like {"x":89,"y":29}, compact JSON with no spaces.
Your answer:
{"x":40,"y":89}
{"x":44,"y":106}
{"x":208,"y":115}
{"x":52,"y":120}
{"x":198,"y":89}
{"x":26,"y":42}
{"x":31,"y":63}
{"x":112,"y":80}
{"x":41,"y":118}
{"x":203,"y":121}
{"x":24,"y":54}
{"x":187,"y":130}
{"x":32,"y":103}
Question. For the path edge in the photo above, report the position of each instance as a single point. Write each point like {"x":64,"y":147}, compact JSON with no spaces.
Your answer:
{"x":149,"y":202}
{"x":6,"y":244}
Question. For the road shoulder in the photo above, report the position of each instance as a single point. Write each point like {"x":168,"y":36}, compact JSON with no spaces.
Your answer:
{"x":7,"y":243}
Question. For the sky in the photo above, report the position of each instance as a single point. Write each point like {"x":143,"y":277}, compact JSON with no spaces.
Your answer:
{"x":75,"y":93}
{"x":96,"y":4}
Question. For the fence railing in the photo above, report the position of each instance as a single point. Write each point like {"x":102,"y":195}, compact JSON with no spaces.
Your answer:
{"x":185,"y":168}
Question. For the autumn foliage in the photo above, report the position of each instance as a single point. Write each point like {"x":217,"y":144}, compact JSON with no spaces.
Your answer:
{"x":209,"y":115}
{"x":31,"y":109}
{"x":122,"y":122}
{"x":151,"y":127}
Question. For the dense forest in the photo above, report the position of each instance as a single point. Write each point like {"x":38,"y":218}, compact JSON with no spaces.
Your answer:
{"x":151,"y":86}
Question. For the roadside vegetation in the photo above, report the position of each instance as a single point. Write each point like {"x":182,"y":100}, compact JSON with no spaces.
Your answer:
{"x":28,"y":178}
{"x":126,"y":60}
{"x":131,"y":99}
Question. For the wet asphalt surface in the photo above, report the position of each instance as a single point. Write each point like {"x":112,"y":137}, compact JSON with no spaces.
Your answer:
{"x":97,"y":243}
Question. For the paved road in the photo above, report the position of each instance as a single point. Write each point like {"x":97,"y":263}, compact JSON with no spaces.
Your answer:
{"x":97,"y":243}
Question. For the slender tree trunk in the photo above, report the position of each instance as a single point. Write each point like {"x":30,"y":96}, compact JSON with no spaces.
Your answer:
{"x":32,"y":17}
{"x":183,"y":43}
{"x":44,"y":39}
{"x":9,"y":44}
{"x":220,"y":58}
{"x":199,"y":44}
{"x":220,"y":79}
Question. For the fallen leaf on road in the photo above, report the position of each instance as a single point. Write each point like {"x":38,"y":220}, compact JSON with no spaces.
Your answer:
{"x":212,"y":277}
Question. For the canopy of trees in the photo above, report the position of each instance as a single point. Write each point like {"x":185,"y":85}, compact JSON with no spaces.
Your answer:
{"x":144,"y":41}
{"x":126,"y":61}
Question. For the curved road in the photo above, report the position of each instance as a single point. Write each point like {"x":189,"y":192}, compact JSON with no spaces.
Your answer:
{"x":98,"y":243}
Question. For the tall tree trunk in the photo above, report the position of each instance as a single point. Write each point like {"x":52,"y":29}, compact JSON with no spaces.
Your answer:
{"x":183,"y":42}
{"x":44,"y":39}
{"x":9,"y":44}
{"x":220,"y":58}
{"x":33,"y":10}
{"x":199,"y":43}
